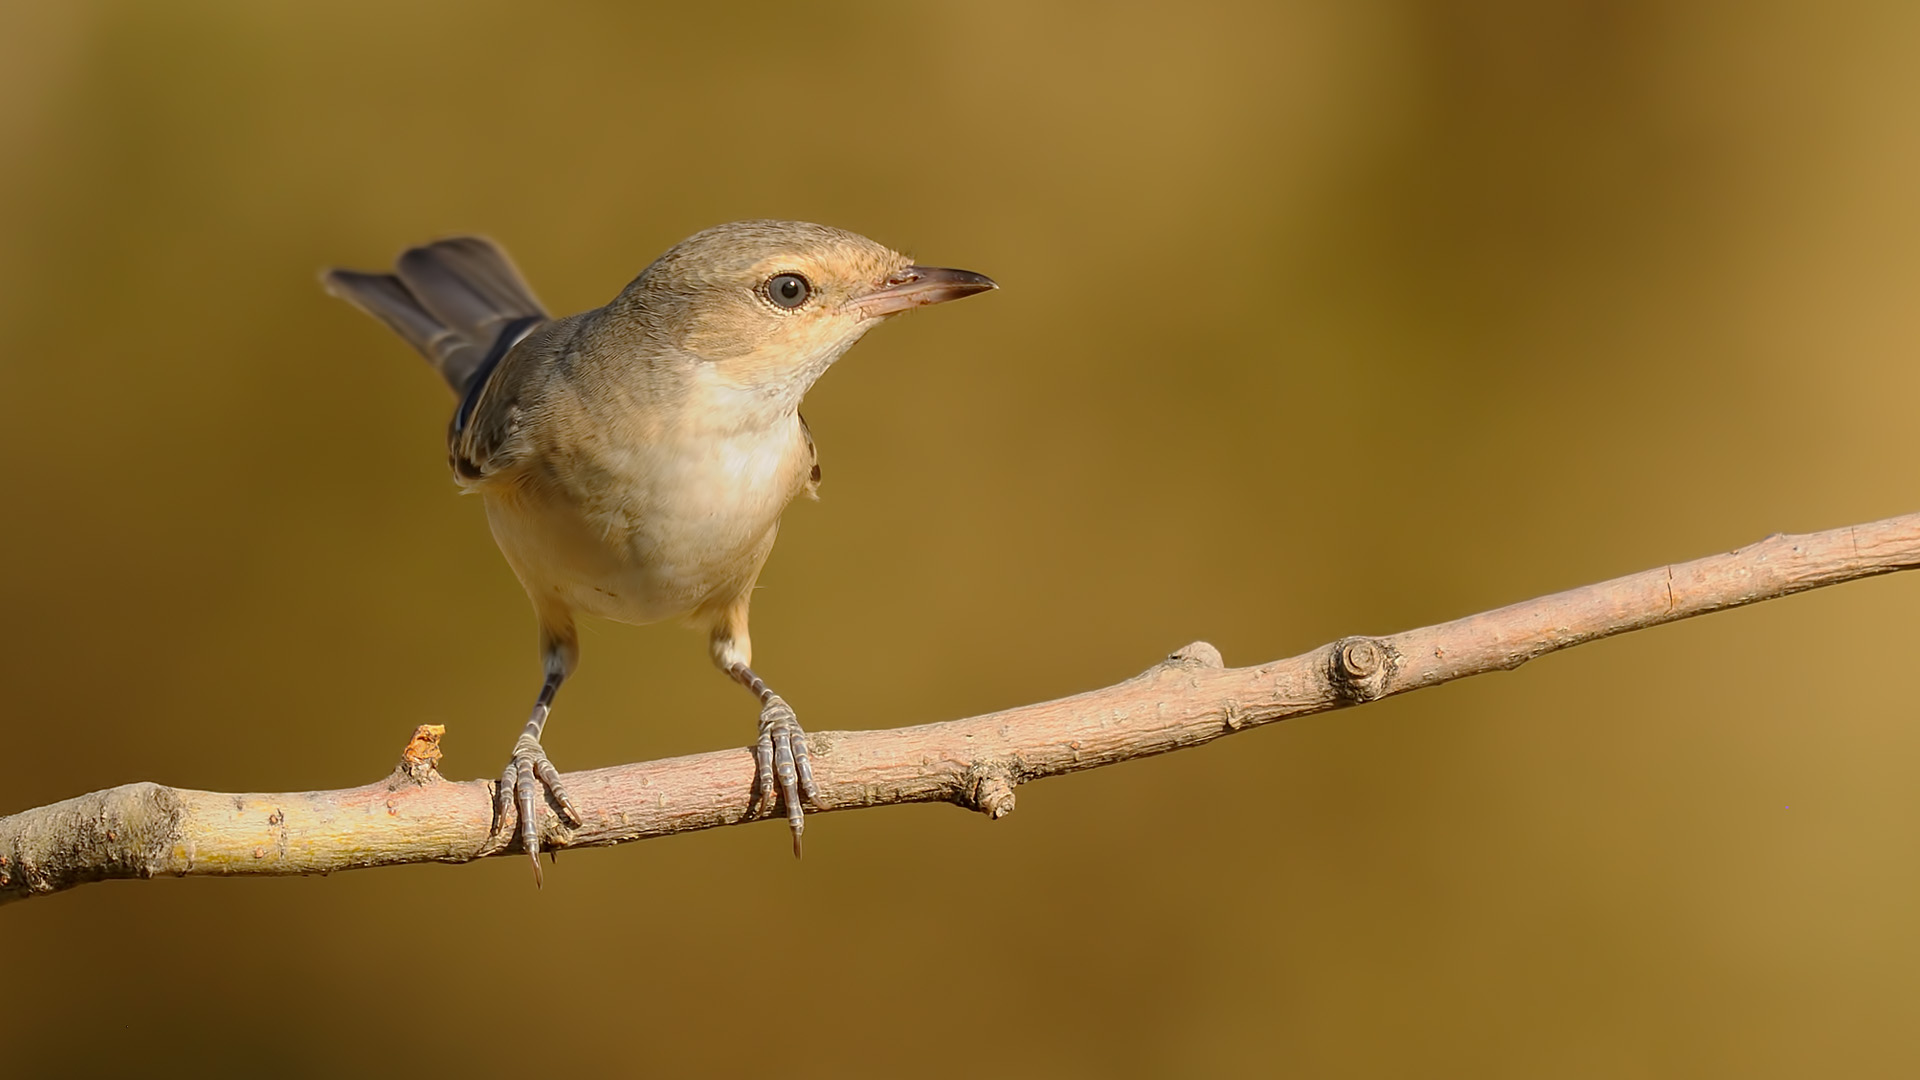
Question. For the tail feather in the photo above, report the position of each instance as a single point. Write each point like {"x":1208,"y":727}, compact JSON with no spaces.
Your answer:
{"x":385,"y":298}
{"x":450,"y":300}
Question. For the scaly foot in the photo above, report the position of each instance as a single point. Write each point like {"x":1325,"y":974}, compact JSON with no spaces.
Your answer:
{"x":518,"y":786}
{"x":782,"y":753}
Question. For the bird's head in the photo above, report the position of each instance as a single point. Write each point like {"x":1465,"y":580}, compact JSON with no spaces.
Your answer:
{"x":771,"y":304}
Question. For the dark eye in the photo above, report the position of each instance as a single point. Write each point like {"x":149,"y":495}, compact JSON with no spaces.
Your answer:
{"x":788,"y":290}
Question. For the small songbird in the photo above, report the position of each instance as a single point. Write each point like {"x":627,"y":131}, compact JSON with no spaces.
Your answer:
{"x":635,"y":459}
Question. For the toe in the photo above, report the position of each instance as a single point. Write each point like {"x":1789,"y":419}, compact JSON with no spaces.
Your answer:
{"x":550,"y":779}
{"x":762,"y":799}
{"x":503,"y":802}
{"x":803,"y":764}
{"x":789,"y":778}
{"x":523,"y":790}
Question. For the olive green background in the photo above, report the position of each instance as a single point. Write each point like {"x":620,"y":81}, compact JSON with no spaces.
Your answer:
{"x":1316,"y":319}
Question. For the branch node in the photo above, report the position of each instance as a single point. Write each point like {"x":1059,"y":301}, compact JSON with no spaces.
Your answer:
{"x":1197,"y":654}
{"x":988,"y":790}
{"x":1360,"y":668}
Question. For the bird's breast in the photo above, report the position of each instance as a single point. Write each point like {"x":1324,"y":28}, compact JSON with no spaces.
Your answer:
{"x":640,"y":530}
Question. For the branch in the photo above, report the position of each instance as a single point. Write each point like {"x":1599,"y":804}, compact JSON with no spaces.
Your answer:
{"x":414,"y":815}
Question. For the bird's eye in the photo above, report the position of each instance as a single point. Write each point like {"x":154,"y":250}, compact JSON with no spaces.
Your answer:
{"x":788,"y":290}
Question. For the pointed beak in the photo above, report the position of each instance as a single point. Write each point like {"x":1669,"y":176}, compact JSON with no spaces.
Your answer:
{"x":918,"y":286}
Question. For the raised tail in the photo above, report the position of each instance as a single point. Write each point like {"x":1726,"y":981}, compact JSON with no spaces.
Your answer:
{"x":458,"y":301}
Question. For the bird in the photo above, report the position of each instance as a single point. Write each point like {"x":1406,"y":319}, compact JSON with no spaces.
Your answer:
{"x":634,"y":460}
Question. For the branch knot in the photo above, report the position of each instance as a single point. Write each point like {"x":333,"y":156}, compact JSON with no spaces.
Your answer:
{"x":1360,"y":668}
{"x":1197,"y":654}
{"x":988,"y":790}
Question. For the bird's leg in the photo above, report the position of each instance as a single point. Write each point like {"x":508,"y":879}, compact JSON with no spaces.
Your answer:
{"x":529,"y":770}
{"x":780,"y":754}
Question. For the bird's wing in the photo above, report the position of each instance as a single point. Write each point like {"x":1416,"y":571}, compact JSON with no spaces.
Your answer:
{"x":487,"y":435}
{"x":813,"y":459}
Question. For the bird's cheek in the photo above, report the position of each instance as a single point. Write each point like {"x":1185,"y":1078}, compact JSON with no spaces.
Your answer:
{"x":810,"y":334}
{"x":717,"y":340}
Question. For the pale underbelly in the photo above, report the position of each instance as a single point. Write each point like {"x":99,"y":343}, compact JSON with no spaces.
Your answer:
{"x":632,"y":568}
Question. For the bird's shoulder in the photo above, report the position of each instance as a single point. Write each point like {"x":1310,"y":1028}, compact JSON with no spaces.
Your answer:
{"x":813,"y":459}
{"x":488,"y":434}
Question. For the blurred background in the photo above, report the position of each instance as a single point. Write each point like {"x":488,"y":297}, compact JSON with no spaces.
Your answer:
{"x":1317,"y":319}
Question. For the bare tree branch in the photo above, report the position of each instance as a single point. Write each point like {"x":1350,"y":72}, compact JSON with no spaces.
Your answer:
{"x":414,"y":815}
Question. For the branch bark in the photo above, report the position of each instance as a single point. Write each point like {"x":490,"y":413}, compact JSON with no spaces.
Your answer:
{"x":414,"y":815}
